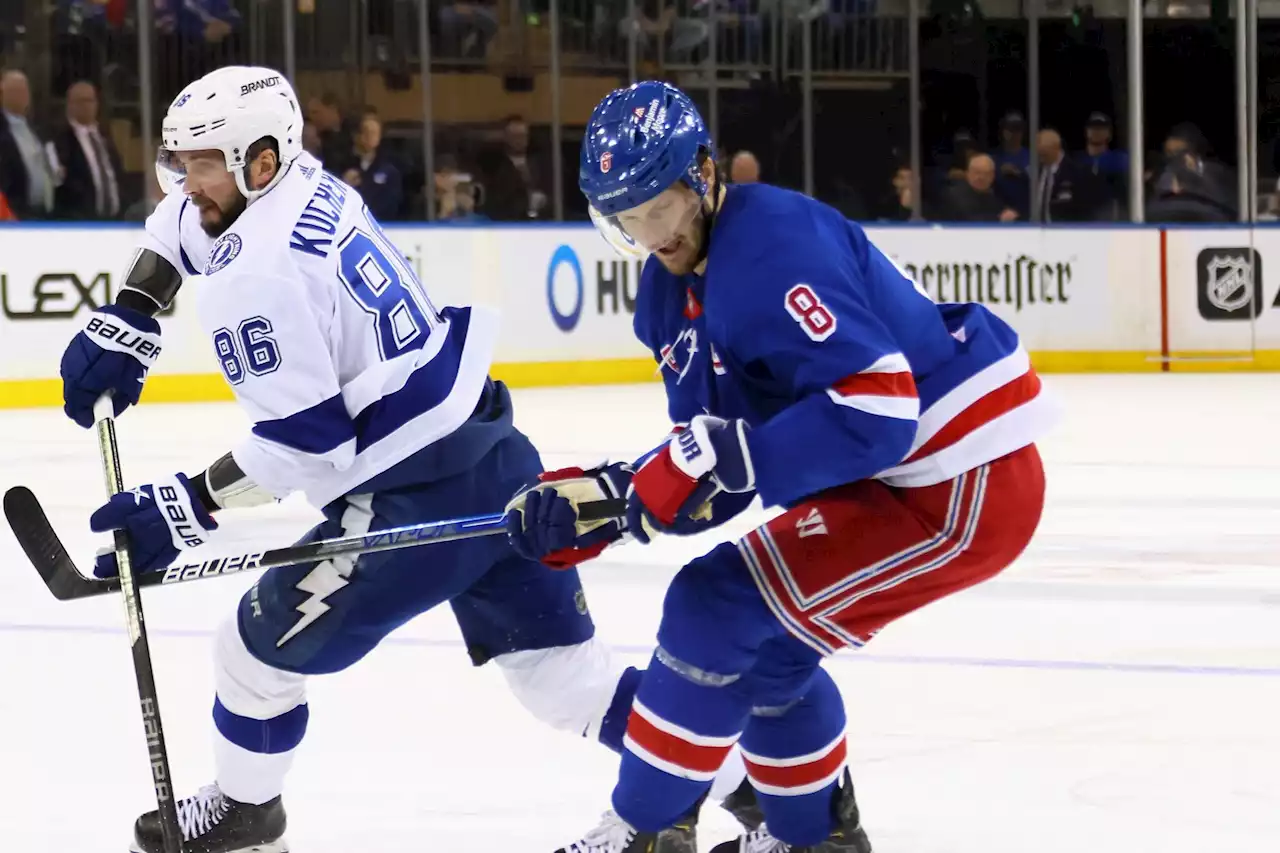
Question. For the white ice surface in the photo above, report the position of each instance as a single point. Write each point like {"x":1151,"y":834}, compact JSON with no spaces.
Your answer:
{"x":1117,"y":691}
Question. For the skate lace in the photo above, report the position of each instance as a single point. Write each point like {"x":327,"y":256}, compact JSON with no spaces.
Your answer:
{"x":762,"y":841}
{"x":611,"y":836}
{"x":199,"y":814}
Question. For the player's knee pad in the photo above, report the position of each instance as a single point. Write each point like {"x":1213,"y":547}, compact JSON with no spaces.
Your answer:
{"x":248,"y":687}
{"x":714,"y":618}
{"x":567,"y":687}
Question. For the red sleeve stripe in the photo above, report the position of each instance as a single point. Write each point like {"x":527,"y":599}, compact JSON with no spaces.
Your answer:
{"x":673,"y":749}
{"x":985,"y":409}
{"x":798,"y":776}
{"x":886,"y":388}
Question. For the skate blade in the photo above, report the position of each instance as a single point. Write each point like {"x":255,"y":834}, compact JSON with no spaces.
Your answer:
{"x":278,"y":846}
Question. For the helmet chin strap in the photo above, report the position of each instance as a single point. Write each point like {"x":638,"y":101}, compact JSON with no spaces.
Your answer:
{"x":242,"y":182}
{"x":709,"y":219}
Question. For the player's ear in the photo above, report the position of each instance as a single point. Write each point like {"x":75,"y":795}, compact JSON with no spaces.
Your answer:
{"x":708,"y":168}
{"x":264,"y":168}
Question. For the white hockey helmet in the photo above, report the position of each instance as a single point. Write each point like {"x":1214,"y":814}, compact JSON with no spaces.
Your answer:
{"x":228,"y":110}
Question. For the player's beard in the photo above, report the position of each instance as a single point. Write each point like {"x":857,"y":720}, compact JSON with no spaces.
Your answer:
{"x":227,"y":216}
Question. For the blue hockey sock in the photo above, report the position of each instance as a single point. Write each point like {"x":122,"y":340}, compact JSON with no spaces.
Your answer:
{"x":795,"y":756}
{"x":253,"y":756}
{"x":683,"y":723}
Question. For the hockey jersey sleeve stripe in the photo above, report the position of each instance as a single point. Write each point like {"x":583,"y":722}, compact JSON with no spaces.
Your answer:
{"x":318,"y":430}
{"x":986,"y":409}
{"x":426,"y":388}
{"x":890,"y":395}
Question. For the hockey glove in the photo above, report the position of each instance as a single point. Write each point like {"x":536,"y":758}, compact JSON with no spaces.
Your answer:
{"x":162,"y":520}
{"x":111,"y":354}
{"x":542,"y":519}
{"x":702,"y":477}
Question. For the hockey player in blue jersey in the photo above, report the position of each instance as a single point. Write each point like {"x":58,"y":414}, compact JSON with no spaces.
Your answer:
{"x":803,"y":367}
{"x":363,"y":396}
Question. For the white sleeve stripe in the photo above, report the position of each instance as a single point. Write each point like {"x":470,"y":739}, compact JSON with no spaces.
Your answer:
{"x":894,"y":362}
{"x":902,"y":408}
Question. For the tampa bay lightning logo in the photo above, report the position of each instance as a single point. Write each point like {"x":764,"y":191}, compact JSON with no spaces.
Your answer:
{"x":182,"y":100}
{"x":223,"y":253}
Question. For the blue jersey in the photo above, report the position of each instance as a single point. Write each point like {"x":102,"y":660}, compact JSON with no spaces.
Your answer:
{"x":842,"y":366}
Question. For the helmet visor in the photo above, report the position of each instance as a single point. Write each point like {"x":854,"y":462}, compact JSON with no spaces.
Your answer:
{"x":172,"y":171}
{"x":661,"y":220}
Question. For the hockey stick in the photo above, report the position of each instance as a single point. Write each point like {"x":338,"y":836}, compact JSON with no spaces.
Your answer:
{"x":38,"y":539}
{"x":161,"y":777}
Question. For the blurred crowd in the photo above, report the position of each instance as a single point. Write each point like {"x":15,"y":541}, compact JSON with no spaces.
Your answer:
{"x":1085,"y":182}
{"x":62,"y":158}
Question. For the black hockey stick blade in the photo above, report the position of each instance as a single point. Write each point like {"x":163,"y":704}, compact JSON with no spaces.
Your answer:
{"x":44,"y":549}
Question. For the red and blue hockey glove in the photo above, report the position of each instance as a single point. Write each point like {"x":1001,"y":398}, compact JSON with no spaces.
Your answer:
{"x":162,"y":520}
{"x":542,"y":519}
{"x":676,"y":489}
{"x":111,"y":354}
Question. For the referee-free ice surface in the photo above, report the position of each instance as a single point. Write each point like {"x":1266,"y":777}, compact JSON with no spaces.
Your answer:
{"x":1116,"y":691}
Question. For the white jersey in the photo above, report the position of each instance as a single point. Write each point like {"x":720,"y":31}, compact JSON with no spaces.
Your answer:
{"x":325,"y":334}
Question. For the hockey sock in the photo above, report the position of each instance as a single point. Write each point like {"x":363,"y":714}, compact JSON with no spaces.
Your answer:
{"x":794,"y":757}
{"x":683,"y":724}
{"x":614,"y":726}
{"x":253,"y":756}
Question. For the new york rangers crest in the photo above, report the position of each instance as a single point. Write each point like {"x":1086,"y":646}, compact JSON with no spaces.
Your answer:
{"x":606,"y":161}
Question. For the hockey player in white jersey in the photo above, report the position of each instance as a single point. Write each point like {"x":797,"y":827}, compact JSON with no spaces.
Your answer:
{"x":362,"y":395}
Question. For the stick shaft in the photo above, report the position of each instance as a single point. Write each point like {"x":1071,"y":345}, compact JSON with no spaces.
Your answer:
{"x":161,"y":777}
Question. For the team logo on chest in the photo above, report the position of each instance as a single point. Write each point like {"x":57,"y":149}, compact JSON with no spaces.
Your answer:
{"x":223,"y":252}
{"x":672,"y":354}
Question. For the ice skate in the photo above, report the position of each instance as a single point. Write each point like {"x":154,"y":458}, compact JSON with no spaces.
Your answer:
{"x":847,"y":837}
{"x":211,"y":822}
{"x":615,"y":835}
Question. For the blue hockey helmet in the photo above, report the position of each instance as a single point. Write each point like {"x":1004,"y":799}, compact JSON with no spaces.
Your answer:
{"x":639,"y":142}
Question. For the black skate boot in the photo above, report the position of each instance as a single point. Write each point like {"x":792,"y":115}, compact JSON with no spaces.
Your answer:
{"x":847,"y":837}
{"x":615,"y":835}
{"x":211,"y":822}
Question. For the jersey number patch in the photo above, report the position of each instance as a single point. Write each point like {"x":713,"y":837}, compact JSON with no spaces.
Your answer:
{"x":250,"y":350}
{"x":375,"y":282}
{"x":807,"y":309}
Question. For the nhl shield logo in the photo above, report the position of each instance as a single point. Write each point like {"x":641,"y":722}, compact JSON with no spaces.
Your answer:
{"x":606,"y":161}
{"x":1230,"y":282}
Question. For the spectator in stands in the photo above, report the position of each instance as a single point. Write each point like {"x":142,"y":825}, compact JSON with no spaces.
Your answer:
{"x":1013,"y":162}
{"x":899,"y":204}
{"x":456,"y":195}
{"x":1068,"y":191}
{"x":373,"y":172}
{"x":85,"y":35}
{"x":1108,"y":165}
{"x":514,"y":177}
{"x":311,"y":140}
{"x":976,"y":200}
{"x":91,"y":169}
{"x":27,"y":177}
{"x":325,"y":114}
{"x":467,"y":28}
{"x":744,"y":168}
{"x":1190,"y":186}
{"x":963,"y":147}
{"x":655,"y":20}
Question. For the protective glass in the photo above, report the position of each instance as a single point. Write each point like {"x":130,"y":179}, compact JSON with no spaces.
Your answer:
{"x":660,"y":220}
{"x":172,"y":172}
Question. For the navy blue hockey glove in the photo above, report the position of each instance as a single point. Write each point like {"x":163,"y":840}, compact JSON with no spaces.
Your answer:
{"x":112,"y":353}
{"x":700,"y":478}
{"x":542,"y":519}
{"x":162,"y":520}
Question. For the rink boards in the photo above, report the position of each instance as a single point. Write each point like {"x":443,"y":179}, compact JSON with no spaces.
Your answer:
{"x":1083,"y":299}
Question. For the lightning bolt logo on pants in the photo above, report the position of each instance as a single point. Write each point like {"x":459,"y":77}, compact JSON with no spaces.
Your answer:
{"x":320,"y":583}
